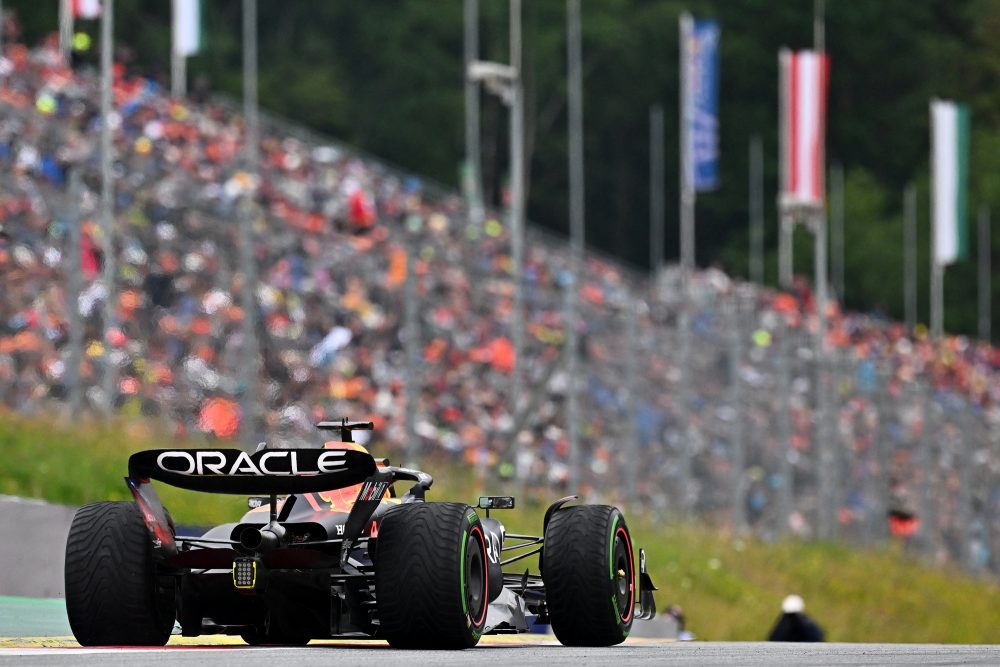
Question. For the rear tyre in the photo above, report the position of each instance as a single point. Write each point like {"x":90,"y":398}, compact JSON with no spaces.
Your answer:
{"x":431,"y":577}
{"x":587,"y":567}
{"x":113,"y":596}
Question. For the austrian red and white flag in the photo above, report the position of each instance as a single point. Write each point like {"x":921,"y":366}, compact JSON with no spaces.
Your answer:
{"x":86,"y":9}
{"x":803,"y":91}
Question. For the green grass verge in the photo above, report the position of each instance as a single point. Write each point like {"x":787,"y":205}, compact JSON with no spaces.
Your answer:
{"x":730,"y":588}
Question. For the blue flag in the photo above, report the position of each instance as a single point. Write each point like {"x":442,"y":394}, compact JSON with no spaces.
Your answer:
{"x":701,"y":62}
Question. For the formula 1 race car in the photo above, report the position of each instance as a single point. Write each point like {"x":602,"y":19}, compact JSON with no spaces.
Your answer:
{"x":328,"y":550}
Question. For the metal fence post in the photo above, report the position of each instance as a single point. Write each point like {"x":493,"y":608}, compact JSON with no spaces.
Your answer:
{"x":784,"y":419}
{"x":412,"y":345}
{"x":631,"y":477}
{"x":685,"y":484}
{"x":928,"y":518}
{"x":738,"y":444}
{"x":73,"y":288}
{"x":879,"y":496}
{"x":963,"y":448}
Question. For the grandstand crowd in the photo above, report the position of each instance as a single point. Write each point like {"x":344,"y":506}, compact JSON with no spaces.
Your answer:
{"x":335,"y":237}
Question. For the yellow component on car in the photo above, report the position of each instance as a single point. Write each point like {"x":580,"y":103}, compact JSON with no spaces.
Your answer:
{"x":245,"y":573}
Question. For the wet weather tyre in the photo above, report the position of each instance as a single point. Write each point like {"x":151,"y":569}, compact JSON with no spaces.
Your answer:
{"x":113,"y":597}
{"x":431,"y":576}
{"x":587,"y":567}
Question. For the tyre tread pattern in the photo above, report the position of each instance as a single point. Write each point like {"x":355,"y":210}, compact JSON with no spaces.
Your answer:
{"x":110,"y":598}
{"x":578,"y":591}
{"x":417,"y":570}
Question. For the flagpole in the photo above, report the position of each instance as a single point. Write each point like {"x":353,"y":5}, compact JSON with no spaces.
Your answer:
{"x":178,"y":75}
{"x":411,"y":327}
{"x":247,"y":214}
{"x":577,"y":231}
{"x":686,"y":186}
{"x":250,"y":106}
{"x":819,"y":25}
{"x":786,"y":222}
{"x":985,"y":287}
{"x":472,"y":130}
{"x":756,"y":210}
{"x":937,"y":271}
{"x":74,"y":288}
{"x":66,"y":28}
{"x":937,"y":299}
{"x":178,"y":61}
{"x":657,"y":207}
{"x":910,"y":257}
{"x":837,"y":230}
{"x":827,"y":419}
{"x":109,"y":269}
{"x":687,"y":265}
{"x":517,"y":201}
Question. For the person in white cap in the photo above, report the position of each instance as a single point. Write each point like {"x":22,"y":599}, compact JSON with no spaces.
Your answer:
{"x":794,"y":625}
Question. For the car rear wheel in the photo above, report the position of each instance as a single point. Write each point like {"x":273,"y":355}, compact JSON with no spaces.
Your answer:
{"x":113,"y":596}
{"x":587,"y":567}
{"x":431,"y":577}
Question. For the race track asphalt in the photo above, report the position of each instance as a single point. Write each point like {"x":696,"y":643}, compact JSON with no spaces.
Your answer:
{"x":638,"y":652}
{"x":35,"y":632}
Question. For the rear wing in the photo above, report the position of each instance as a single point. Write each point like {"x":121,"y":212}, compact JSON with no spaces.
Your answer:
{"x":266,"y":471}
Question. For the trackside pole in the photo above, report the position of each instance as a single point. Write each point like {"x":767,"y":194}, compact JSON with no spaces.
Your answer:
{"x":985,"y":286}
{"x":66,"y":28}
{"x":963,"y":448}
{"x":787,"y":490}
{"x":685,"y":483}
{"x":178,"y":61}
{"x":74,"y":287}
{"x":756,"y":210}
{"x":910,"y":257}
{"x":576,"y":240}
{"x":824,"y":432}
{"x":687,"y":199}
{"x":472,"y":131}
{"x":412,"y":343}
{"x":657,"y":206}
{"x":925,"y":462}
{"x":110,"y":269}
{"x":737,"y":428}
{"x":687,"y":203}
{"x":837,"y":230}
{"x":633,"y":350}
{"x":247,"y":212}
{"x":882,"y":451}
{"x":517,"y":201}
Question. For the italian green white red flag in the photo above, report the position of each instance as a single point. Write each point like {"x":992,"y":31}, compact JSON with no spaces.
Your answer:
{"x":950,"y":167}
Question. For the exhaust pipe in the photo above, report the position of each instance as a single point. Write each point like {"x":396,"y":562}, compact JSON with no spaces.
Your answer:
{"x":263,"y":539}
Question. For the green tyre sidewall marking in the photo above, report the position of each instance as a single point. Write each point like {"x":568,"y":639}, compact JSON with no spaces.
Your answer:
{"x":611,"y":572}
{"x":611,"y":549}
{"x":461,"y":574}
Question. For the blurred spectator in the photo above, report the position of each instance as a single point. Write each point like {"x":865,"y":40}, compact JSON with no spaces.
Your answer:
{"x":794,"y":625}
